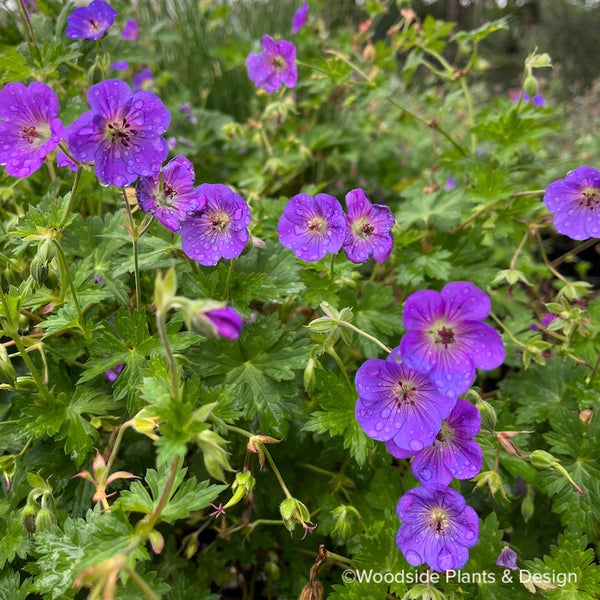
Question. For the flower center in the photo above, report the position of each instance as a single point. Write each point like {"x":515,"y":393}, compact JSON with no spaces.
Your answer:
{"x":445,"y":435}
{"x":120,"y":132}
{"x":439,"y":520}
{"x":94,"y":25}
{"x":277,"y":63}
{"x":316,"y":225}
{"x":166,"y":197}
{"x":405,"y":393}
{"x":362,"y":229}
{"x":590,"y":198}
{"x":29,"y":134}
{"x":445,"y":336}
{"x":218,"y":221}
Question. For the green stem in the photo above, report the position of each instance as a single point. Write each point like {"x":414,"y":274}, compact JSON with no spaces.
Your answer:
{"x":332,"y":269}
{"x":164,"y":339}
{"x":228,"y":280}
{"x":431,"y":124}
{"x":593,"y":373}
{"x":13,"y":333}
{"x":277,"y":473}
{"x":547,"y":262}
{"x":66,"y":276}
{"x":69,"y":206}
{"x":470,"y":112}
{"x":340,"y":364}
{"x":28,"y":23}
{"x":339,"y":558}
{"x":151,"y":519}
{"x":508,"y":332}
{"x":115,"y":448}
{"x":365,"y":335}
{"x":233,"y":428}
{"x":133,"y":231}
{"x":513,"y":262}
{"x":137,"y":579}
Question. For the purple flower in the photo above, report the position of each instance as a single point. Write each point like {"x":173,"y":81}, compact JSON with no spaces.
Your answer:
{"x":143,"y":80}
{"x":120,"y":65}
{"x":226,"y":321}
{"x":131,"y":30}
{"x":275,"y":66}
{"x":29,"y":126}
{"x":453,"y":452}
{"x":437,"y":528}
{"x":450,"y":184}
{"x":446,"y":338}
{"x":575,"y":202}
{"x":537,"y":100}
{"x":113,"y":373}
{"x":170,"y":196}
{"x":62,"y":160}
{"x":397,"y":403}
{"x":367,"y":229}
{"x":300,"y":17}
{"x":508,"y":559}
{"x":220,"y":229}
{"x":312,"y":227}
{"x":91,"y":22}
{"x":121,"y":133}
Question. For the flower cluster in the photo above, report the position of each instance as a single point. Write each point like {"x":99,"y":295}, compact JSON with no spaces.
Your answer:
{"x":315,"y":227}
{"x":410,"y":401}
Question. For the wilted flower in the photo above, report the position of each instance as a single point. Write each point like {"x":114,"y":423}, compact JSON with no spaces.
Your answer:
{"x":122,"y":133}
{"x":453,"y":452}
{"x":226,"y":321}
{"x":446,"y":338}
{"x":537,"y":100}
{"x":437,"y":527}
{"x":368,"y":229}
{"x":300,"y":17}
{"x":312,"y":227}
{"x":29,"y":126}
{"x":507,"y":559}
{"x":170,"y":196}
{"x":398,"y":403}
{"x":91,"y":22}
{"x":575,"y":202}
{"x":131,"y":30}
{"x":220,"y":229}
{"x":275,"y":66}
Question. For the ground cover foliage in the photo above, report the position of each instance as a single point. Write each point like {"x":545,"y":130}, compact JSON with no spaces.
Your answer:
{"x":153,"y":450}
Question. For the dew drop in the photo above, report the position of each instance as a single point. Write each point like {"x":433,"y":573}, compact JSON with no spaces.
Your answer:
{"x":425,"y":474}
{"x":413,"y":558}
{"x":415,"y":445}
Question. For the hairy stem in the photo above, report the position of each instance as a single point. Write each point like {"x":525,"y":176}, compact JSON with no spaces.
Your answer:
{"x":365,"y":335}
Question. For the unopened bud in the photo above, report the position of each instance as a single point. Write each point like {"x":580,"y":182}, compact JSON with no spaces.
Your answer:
{"x":44,"y":520}
{"x":542,"y":459}
{"x":488,"y":415}
{"x":7,"y":371}
{"x":38,"y":270}
{"x":530,"y":85}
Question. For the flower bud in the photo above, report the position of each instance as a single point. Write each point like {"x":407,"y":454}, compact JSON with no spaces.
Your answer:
{"x":28,"y":517}
{"x":7,"y":371}
{"x":488,"y":415}
{"x":493,"y":481}
{"x":38,"y":270}
{"x":216,"y":458}
{"x":542,"y":459}
{"x":44,"y":519}
{"x":157,"y":541}
{"x":530,"y":85}
{"x":527,"y":507}
{"x":293,"y":512}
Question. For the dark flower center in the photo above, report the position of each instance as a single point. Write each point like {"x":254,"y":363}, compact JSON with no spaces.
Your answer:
{"x":120,"y":132}
{"x":168,"y":193}
{"x":445,"y":434}
{"x":94,"y":25}
{"x":445,"y":336}
{"x":218,"y":221}
{"x":405,"y":393}
{"x":277,"y":63}
{"x":590,"y":198}
{"x":367,"y":229}
{"x":316,"y":225}
{"x":29,"y":134}
{"x":361,"y":228}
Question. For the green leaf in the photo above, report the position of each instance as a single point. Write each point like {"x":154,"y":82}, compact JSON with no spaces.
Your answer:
{"x":15,"y":539}
{"x":11,"y":587}
{"x":337,"y":400}
{"x":13,"y":66}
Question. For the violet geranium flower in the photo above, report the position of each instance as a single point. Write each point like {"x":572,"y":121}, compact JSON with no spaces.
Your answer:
{"x":275,"y":66}
{"x":219,"y":229}
{"x":91,"y":22}
{"x":312,"y":227}
{"x":62,"y":160}
{"x":445,"y":336}
{"x":29,"y":126}
{"x":130,"y":31}
{"x":453,"y":452}
{"x":367,"y":229}
{"x":300,"y":17}
{"x":507,"y":559}
{"x":227,"y":322}
{"x":143,"y":80}
{"x":437,"y":527}
{"x":170,"y":196}
{"x":397,"y":403}
{"x":122,"y":133}
{"x":575,"y":202}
